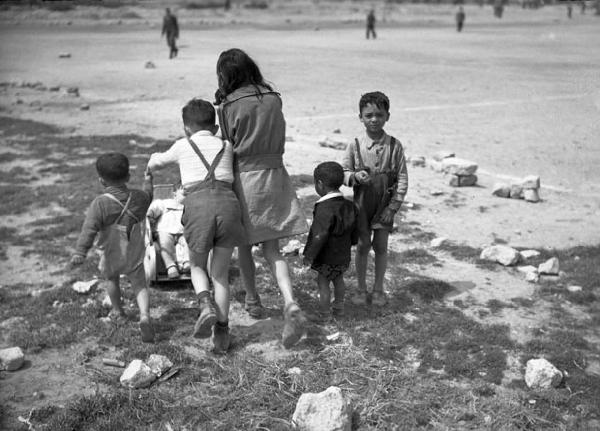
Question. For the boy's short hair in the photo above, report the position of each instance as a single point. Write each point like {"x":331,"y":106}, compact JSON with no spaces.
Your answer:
{"x":330,"y":173}
{"x":199,"y":113}
{"x":376,"y":98}
{"x":113,"y":166}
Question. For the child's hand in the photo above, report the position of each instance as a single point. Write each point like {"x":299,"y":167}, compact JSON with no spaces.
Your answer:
{"x":148,"y":173}
{"x":362,"y":177}
{"x":76,"y":260}
{"x":387,"y":216}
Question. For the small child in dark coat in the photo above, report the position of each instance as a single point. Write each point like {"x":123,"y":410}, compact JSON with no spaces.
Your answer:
{"x":331,"y":237}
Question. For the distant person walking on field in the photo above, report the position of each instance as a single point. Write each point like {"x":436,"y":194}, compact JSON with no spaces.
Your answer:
{"x":460,"y":19}
{"x":371,"y":24}
{"x":171,"y":29}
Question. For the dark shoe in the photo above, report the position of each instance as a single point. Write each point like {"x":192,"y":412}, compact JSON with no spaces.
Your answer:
{"x":146,"y":330}
{"x":254,"y":307}
{"x":207,"y":319}
{"x":294,"y":325}
{"x":220,"y":339}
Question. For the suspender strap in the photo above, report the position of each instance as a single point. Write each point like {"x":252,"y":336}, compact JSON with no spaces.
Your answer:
{"x":125,"y":208}
{"x":361,"y":165}
{"x":210,"y":168}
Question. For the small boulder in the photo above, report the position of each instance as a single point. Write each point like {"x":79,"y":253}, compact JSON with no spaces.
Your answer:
{"x":574,"y":289}
{"x":528,"y":254}
{"x":531,"y":182}
{"x":438,"y":242}
{"x":502,"y":254}
{"x":462,"y":180}
{"x":11,"y":359}
{"x":292,"y":248}
{"x":149,"y":65}
{"x":159,"y":364}
{"x":74,"y":91}
{"x":325,"y":411}
{"x":337,"y":143}
{"x":54,"y":88}
{"x":531,"y":195}
{"x":541,"y":374}
{"x":516,"y":191}
{"x":532,"y":277}
{"x":137,"y":375}
{"x":84,"y":286}
{"x":502,"y":190}
{"x":64,"y":55}
{"x":550,"y":267}
{"x":85,"y":107}
{"x":456,"y":166}
{"x":417,"y":161}
{"x":526,"y":268}
{"x":441,"y":155}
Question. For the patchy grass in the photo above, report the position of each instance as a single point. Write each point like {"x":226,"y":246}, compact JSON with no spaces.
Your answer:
{"x":496,"y":305}
{"x":417,"y":256}
{"x":469,"y":254}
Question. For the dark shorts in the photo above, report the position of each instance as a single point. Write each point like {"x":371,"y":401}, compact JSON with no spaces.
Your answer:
{"x":330,"y":272}
{"x":212,"y":218}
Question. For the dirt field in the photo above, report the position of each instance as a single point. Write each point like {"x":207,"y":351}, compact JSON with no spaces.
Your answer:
{"x":519,"y":96}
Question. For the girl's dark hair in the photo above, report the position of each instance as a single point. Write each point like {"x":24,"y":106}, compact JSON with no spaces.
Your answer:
{"x":331,"y":173}
{"x":113,"y":166}
{"x":236,"y":69}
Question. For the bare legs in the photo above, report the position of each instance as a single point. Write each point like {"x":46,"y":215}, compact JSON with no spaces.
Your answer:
{"x":380,"y":247}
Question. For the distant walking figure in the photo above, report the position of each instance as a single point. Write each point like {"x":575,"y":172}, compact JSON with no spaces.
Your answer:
{"x":371,"y":24}
{"x":460,"y":19}
{"x":171,"y":29}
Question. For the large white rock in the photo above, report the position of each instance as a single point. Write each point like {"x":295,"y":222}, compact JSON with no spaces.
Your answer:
{"x":531,"y":195}
{"x":84,"y":286}
{"x":574,"y":288}
{"x":293,"y":247}
{"x":531,"y":182}
{"x":137,"y":375}
{"x":159,"y":364}
{"x":541,"y":374}
{"x":500,"y":253}
{"x":457,"y":166}
{"x":550,"y":267}
{"x":527,"y":268}
{"x":527,"y":254}
{"x":462,"y":180}
{"x":502,"y":190}
{"x":11,"y":359}
{"x":532,"y":277}
{"x":325,"y":411}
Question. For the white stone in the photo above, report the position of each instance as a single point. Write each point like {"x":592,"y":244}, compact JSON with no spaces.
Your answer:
{"x":527,"y":268}
{"x":550,"y":267}
{"x":527,"y":254}
{"x":541,"y":374}
{"x":531,"y":182}
{"x":500,"y":253}
{"x":84,"y":286}
{"x":437,"y":242}
{"x":11,"y":359}
{"x":159,"y":364}
{"x":441,"y":155}
{"x":337,"y":142}
{"x":516,"y":191}
{"x":435,"y":165}
{"x":574,"y":289}
{"x":325,"y":411}
{"x":532,"y":277}
{"x":417,"y":161}
{"x":293,"y":247}
{"x":456,"y":166}
{"x":531,"y":195}
{"x":462,"y":180}
{"x":502,"y":190}
{"x":137,"y":375}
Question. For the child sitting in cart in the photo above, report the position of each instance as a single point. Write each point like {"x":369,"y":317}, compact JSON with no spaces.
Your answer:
{"x":164,"y":216}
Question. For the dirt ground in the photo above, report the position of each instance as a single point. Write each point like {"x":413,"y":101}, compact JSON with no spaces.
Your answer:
{"x":519,"y":96}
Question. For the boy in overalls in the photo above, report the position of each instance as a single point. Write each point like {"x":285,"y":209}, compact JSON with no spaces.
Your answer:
{"x":375,"y":167}
{"x":118,"y":217}
{"x":211,"y":217}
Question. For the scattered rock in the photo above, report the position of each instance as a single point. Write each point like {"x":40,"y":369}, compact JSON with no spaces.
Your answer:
{"x":574,"y":289}
{"x":531,"y":195}
{"x":527,"y":254}
{"x":462,"y":180}
{"x":527,"y":268}
{"x":337,"y":143}
{"x":289,"y":138}
{"x":436,"y":192}
{"x":550,"y":267}
{"x":541,"y":374}
{"x":502,"y":254}
{"x":55,"y":88}
{"x":159,"y":364}
{"x":437,"y":242}
{"x":516,"y":191}
{"x":64,"y":55}
{"x":337,"y":131}
{"x":292,"y":248}
{"x":325,"y":411}
{"x":84,"y":286}
{"x":74,"y":91}
{"x":532,"y":277}
{"x":456,"y":166}
{"x":417,"y":161}
{"x":11,"y":359}
{"x":149,"y":65}
{"x":502,"y":190}
{"x":137,"y":375}
{"x":85,"y":107}
{"x":531,"y":182}
{"x":441,"y":155}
